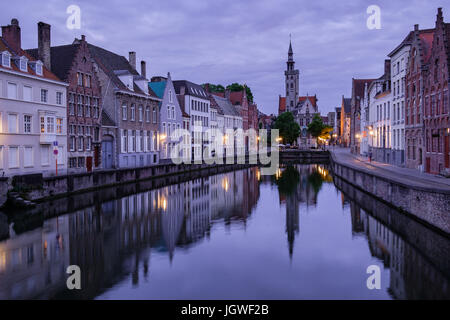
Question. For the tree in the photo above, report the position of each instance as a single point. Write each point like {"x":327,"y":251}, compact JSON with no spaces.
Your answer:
{"x":318,"y":129}
{"x":289,"y":129}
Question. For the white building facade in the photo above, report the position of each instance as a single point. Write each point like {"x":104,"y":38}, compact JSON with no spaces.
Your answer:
{"x":33,"y":107}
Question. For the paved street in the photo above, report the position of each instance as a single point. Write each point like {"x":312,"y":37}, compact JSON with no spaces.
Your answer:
{"x":407,"y":176}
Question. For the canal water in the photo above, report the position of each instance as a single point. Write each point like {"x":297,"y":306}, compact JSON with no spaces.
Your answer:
{"x":236,"y":235}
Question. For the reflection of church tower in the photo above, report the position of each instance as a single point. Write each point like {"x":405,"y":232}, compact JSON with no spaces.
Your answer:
{"x":292,"y":219}
{"x":292,"y":81}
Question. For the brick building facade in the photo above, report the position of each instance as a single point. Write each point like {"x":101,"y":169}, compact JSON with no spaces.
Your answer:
{"x":73,"y":64}
{"x":416,"y":74}
{"x":436,"y":106}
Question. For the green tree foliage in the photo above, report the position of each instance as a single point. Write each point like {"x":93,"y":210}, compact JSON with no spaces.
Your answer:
{"x":239,"y":87}
{"x":234,"y":87}
{"x":318,"y":129}
{"x":289,"y":129}
{"x":215,"y":87}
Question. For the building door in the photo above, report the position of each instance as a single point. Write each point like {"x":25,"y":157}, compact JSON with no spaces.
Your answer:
{"x":447,"y":151}
{"x":107,"y":152}
{"x":97,"y":156}
{"x":89,"y":164}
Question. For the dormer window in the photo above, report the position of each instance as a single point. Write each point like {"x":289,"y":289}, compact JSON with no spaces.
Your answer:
{"x":6,"y":59}
{"x":39,"y":70}
{"x":23,"y":64}
{"x":37,"y":66}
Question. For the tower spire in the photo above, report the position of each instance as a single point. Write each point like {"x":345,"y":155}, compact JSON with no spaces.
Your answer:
{"x":290,"y":51}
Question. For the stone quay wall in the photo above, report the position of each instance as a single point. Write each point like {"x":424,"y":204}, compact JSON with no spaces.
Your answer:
{"x":429,"y":205}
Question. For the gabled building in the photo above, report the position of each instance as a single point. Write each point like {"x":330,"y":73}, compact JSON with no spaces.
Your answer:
{"x":73,"y":64}
{"x":416,"y":96}
{"x":130,"y":136}
{"x":346,"y":109}
{"x":436,"y":111}
{"x":33,"y":103}
{"x":358,"y":86}
{"x":170,"y":114}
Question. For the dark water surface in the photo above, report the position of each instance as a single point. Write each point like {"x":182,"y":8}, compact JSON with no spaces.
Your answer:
{"x":237,"y":235}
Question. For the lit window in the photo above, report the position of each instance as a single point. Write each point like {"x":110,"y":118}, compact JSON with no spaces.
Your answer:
{"x":59,"y":125}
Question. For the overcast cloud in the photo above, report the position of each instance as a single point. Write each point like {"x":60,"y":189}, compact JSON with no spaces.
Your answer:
{"x":239,"y":41}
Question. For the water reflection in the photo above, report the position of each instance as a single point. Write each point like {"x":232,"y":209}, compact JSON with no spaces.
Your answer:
{"x":217,"y":232}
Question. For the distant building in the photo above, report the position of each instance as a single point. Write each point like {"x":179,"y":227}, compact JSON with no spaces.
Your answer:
{"x":358,"y":86}
{"x":33,"y":110}
{"x":337,"y":124}
{"x":345,"y":121}
{"x":196,"y":104}
{"x":170,"y":114}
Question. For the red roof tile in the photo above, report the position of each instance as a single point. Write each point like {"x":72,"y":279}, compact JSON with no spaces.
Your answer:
{"x":45,"y":73}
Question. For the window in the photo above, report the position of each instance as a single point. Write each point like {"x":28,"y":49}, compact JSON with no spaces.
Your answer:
{"x":168,"y":112}
{"x":87,"y":80}
{"x":154,"y":114}
{"x":133,"y":112}
{"x":45,"y":155}
{"x":173,"y":113}
{"x":44,"y":95}
{"x":50,"y":125}
{"x":12,"y":90}
{"x":170,"y":95}
{"x":147,"y":114}
{"x":59,"y":96}
{"x":124,"y":112}
{"x":80,"y":78}
{"x":23,"y":64}
{"x":39,"y":68}
{"x":27,"y":93}
{"x":12,"y":123}
{"x":6,"y":59}
{"x":13,"y":157}
{"x":141,"y":113}
{"x":28,"y":156}
{"x":72,"y":143}
{"x":124,"y":141}
{"x":59,"y":125}
{"x":80,"y":143}
{"x":1,"y":156}
{"x":88,"y":143}
{"x":27,"y":123}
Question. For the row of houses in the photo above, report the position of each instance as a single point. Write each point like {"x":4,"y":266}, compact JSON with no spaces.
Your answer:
{"x":402,"y":117}
{"x":79,"y":107}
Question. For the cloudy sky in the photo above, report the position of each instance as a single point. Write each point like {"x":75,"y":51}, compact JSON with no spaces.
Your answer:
{"x":225,"y":41}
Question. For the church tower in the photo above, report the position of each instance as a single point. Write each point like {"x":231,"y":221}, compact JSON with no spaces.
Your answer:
{"x":292,"y":79}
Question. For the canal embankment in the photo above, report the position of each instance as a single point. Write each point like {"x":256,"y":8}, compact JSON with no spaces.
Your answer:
{"x":423,"y":196}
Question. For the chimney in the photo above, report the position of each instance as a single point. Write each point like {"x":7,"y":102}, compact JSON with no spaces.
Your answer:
{"x":11,"y":34}
{"x":387,"y":68}
{"x":207,"y":87}
{"x":182,"y":90}
{"x":416,"y":27}
{"x":44,"y":44}
{"x":83,"y":37}
{"x":132,"y":59}
{"x":143,"y":69}
{"x":440,"y":18}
